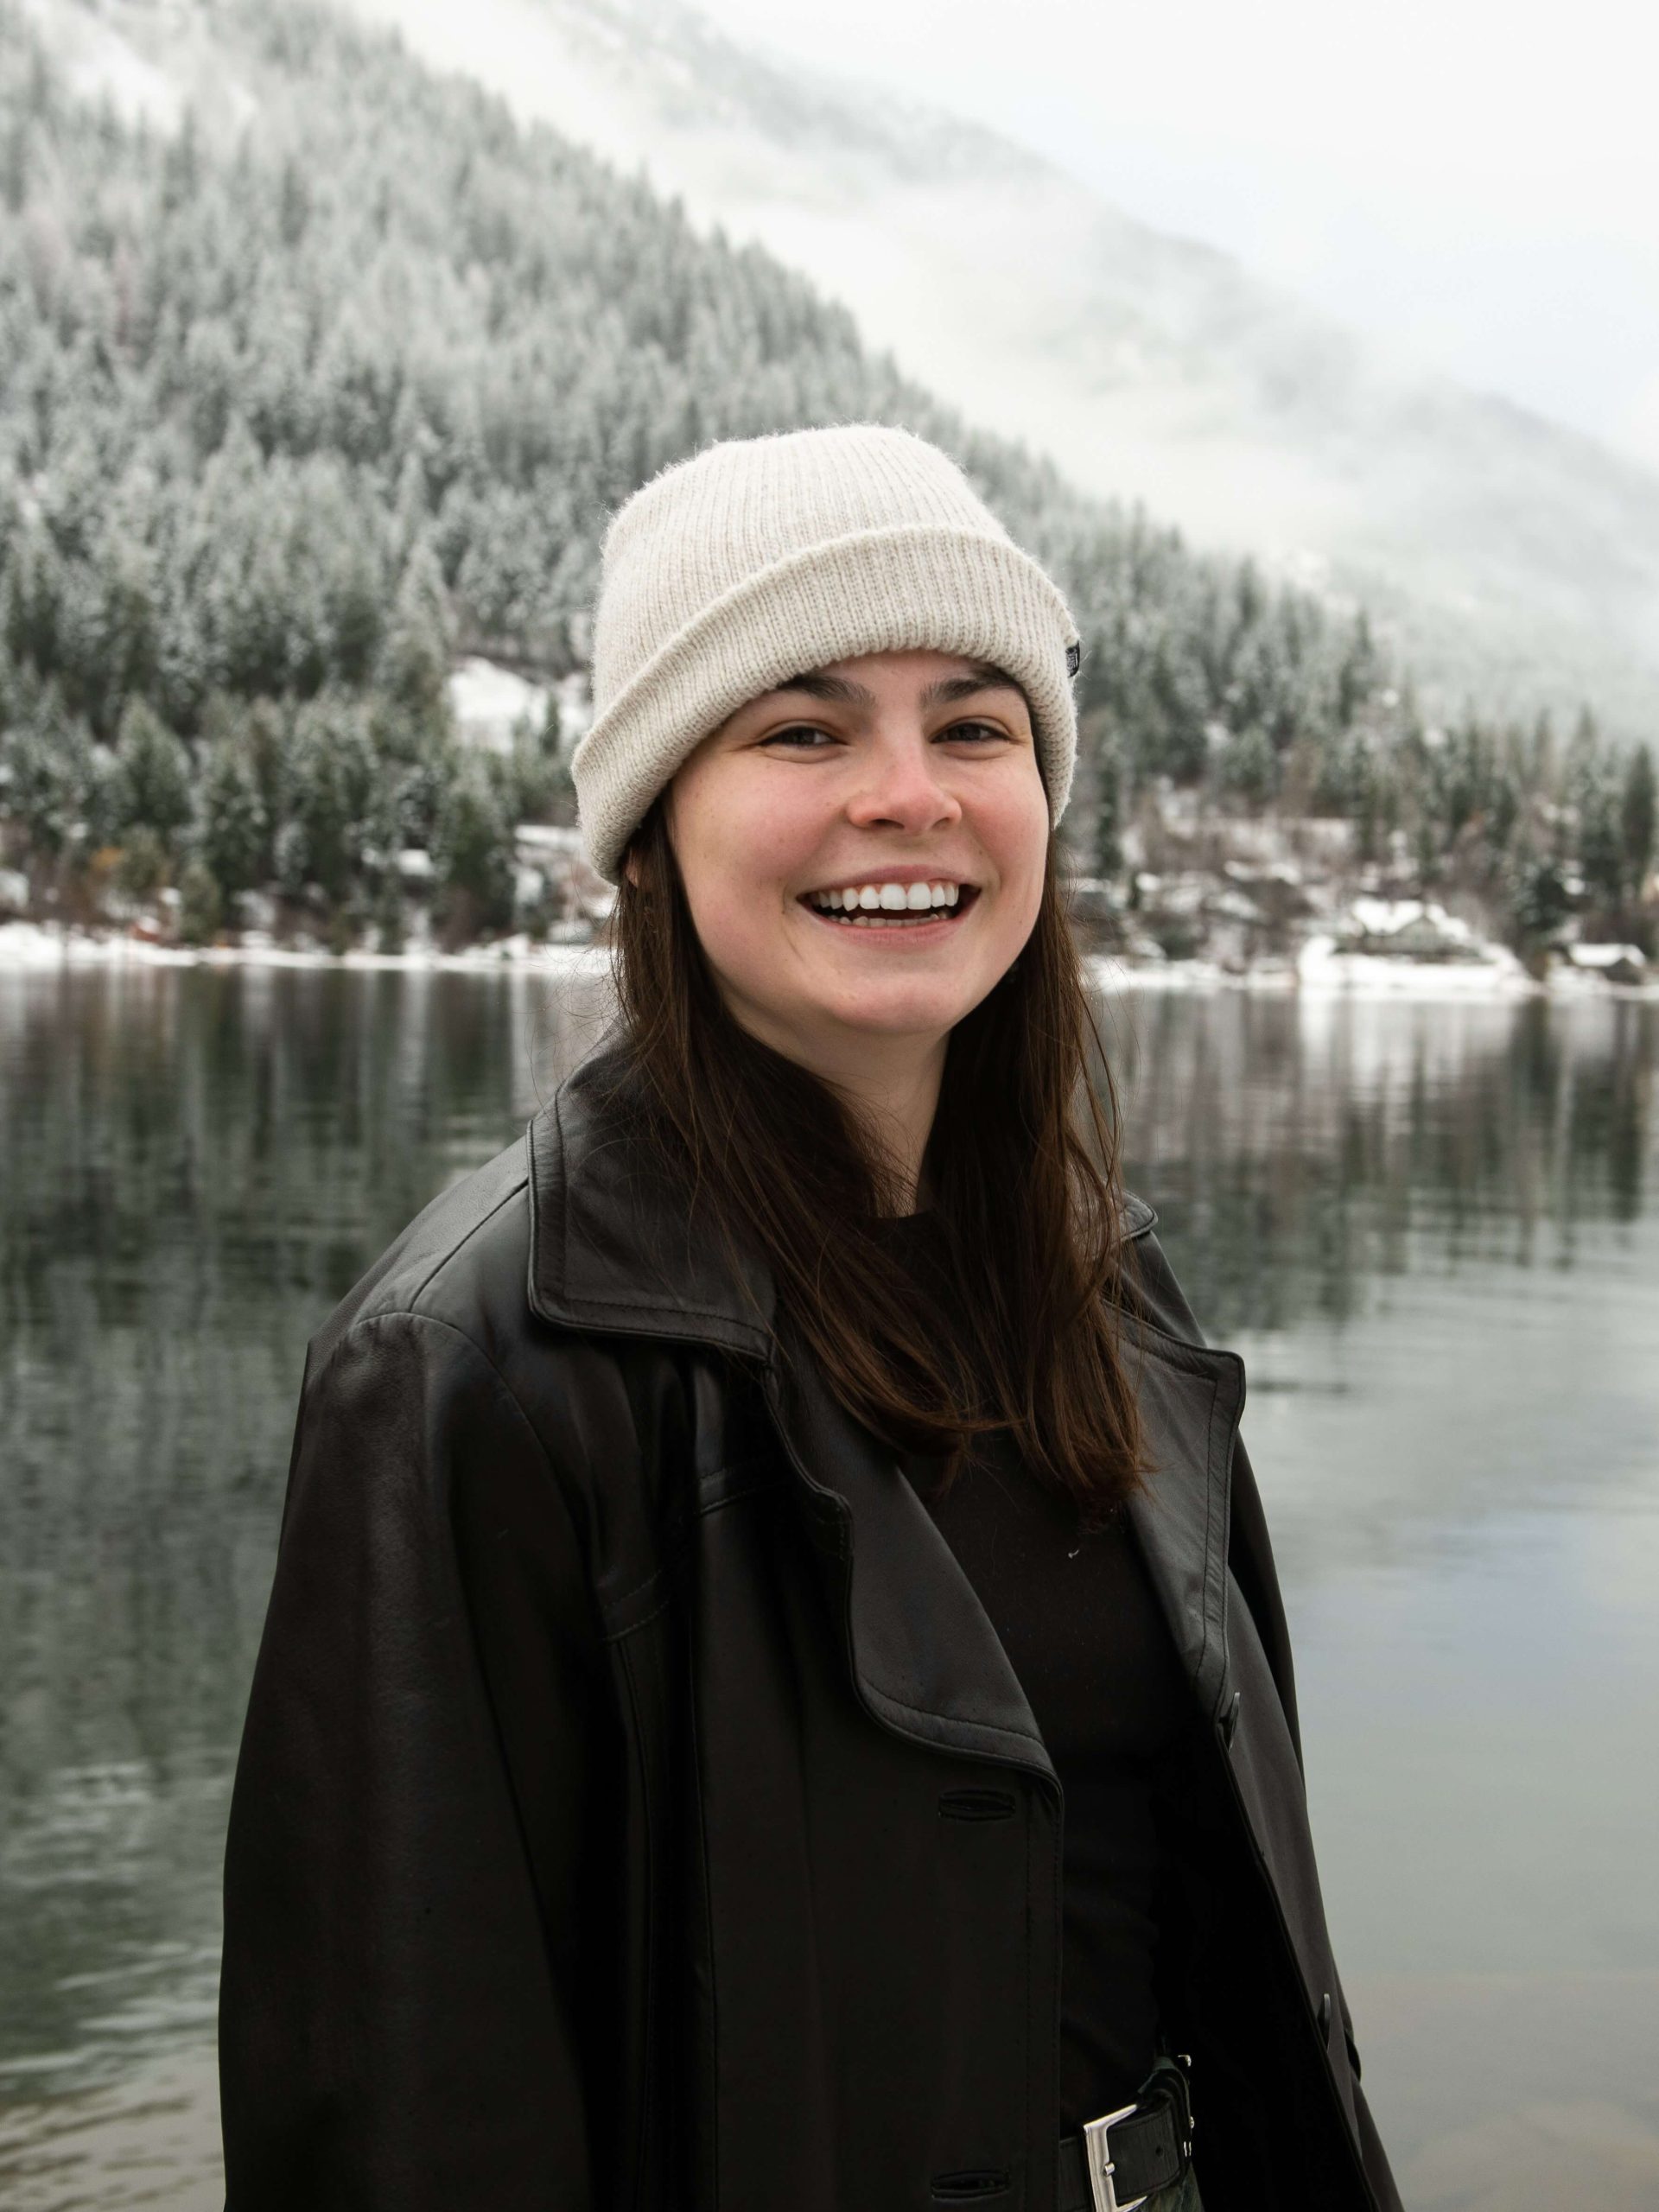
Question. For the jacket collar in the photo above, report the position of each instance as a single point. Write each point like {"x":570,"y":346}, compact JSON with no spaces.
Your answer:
{"x":613,"y":1251}
{"x":614,"y":1248}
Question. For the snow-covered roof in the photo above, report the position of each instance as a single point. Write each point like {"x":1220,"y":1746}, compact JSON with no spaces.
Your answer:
{"x":1388,"y":916}
{"x":1605,"y":956}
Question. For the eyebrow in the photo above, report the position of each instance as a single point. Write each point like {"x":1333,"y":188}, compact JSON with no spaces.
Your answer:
{"x":985,"y":679}
{"x":835,"y":689}
{"x":945,"y":691}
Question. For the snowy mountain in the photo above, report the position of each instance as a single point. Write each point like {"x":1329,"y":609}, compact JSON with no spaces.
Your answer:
{"x":320,"y":371}
{"x":1514,"y":557}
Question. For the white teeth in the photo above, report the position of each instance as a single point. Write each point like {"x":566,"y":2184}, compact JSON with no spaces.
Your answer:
{"x":869,"y":904}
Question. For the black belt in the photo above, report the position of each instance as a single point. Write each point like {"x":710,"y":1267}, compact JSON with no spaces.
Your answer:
{"x":1122,"y":2159}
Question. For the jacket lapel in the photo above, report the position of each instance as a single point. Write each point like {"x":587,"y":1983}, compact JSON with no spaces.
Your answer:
{"x":924,"y":1658}
{"x":1191,"y":1400}
{"x":615,"y":1252}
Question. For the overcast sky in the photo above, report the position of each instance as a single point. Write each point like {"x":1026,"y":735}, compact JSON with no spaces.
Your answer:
{"x":1476,"y":179}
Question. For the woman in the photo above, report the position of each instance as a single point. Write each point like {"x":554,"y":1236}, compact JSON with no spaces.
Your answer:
{"x":775,"y":1695}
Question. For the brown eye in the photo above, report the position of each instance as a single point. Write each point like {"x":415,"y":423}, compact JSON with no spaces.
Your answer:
{"x":802,"y":736}
{"x":973,"y":731}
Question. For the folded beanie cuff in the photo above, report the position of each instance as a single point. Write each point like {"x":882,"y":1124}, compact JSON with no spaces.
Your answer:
{"x":908,"y":587}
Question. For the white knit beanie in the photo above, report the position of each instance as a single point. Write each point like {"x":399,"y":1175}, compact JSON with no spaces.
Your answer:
{"x":763,"y":558}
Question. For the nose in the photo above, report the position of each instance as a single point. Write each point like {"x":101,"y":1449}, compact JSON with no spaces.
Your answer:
{"x":901,"y":789}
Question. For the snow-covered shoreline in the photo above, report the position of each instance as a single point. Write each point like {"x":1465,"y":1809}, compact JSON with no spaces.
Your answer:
{"x":1361,"y":976}
{"x":27,"y":946}
{"x":36,"y":947}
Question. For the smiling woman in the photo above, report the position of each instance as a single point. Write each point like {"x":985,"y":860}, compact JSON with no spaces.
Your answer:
{"x":811,"y":833}
{"x":775,"y":1693}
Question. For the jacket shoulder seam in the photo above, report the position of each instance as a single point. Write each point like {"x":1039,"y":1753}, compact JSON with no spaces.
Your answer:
{"x":436,"y":1321}
{"x":453,"y":1252}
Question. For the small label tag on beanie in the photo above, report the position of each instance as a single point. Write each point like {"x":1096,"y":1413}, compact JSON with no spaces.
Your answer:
{"x":1073,"y":659}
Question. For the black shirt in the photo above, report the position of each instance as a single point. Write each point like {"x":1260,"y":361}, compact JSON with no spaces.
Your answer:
{"x":1081,"y":1625}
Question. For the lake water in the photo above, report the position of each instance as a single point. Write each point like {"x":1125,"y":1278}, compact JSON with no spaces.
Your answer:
{"x":1432,"y":1232}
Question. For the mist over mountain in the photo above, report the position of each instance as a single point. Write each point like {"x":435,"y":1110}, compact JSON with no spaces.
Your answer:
{"x":1517,"y":561}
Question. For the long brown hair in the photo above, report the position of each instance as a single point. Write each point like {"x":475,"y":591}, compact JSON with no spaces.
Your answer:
{"x":1021,"y":1169}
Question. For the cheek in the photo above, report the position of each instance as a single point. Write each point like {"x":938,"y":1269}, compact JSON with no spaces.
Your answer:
{"x":739,"y":839}
{"x":1014,"y":831}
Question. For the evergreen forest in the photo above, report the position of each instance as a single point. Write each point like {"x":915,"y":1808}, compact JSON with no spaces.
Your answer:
{"x":338,"y":380}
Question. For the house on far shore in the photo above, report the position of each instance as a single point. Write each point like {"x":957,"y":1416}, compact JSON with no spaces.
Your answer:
{"x":1405,"y":929}
{"x":1614,"y":963}
{"x":553,"y":868}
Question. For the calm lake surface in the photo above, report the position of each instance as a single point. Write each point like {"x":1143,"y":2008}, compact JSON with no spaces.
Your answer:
{"x":1432,"y":1232}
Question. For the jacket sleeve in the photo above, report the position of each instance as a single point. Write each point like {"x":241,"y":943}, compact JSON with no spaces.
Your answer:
{"x":405,"y":1968}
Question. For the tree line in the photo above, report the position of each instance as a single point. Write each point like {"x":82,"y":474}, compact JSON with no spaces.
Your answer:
{"x":296,"y":408}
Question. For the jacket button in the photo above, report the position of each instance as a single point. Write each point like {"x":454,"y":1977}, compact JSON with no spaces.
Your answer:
{"x":1324,"y":2015}
{"x":1230,"y":1719}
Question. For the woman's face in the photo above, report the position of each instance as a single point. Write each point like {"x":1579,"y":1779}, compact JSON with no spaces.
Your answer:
{"x":863,"y":850}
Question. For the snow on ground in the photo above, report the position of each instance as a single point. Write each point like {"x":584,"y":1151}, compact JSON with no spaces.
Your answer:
{"x":1321,"y":971}
{"x":1113,"y":974}
{"x":1496,"y":973}
{"x":34,"y":945}
{"x":488,"y":701}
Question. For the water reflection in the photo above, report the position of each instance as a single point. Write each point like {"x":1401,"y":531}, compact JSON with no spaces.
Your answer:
{"x":192,"y":1168}
{"x":1430,"y":1229}
{"x":1299,"y":1149}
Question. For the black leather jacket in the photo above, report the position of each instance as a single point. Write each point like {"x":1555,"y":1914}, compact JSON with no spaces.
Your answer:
{"x":636,"y":1808}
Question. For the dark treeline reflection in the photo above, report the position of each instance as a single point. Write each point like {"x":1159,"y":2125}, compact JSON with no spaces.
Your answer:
{"x":1298,"y":1149}
{"x":194,"y":1165}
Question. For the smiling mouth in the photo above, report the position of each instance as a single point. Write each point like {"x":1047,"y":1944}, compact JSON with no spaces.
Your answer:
{"x":891,"y":905}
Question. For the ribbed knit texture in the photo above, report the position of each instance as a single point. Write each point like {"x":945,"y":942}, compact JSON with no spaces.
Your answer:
{"x":762,"y":558}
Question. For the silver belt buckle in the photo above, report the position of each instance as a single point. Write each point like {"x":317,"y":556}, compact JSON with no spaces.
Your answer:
{"x":1097,"y":2161}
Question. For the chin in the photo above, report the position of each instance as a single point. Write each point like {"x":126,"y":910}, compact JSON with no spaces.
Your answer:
{"x":898,"y":1012}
